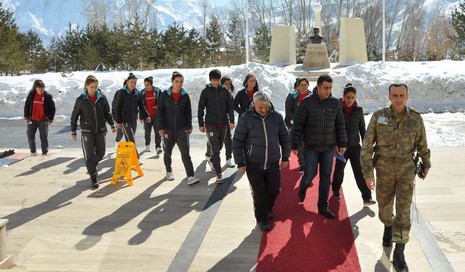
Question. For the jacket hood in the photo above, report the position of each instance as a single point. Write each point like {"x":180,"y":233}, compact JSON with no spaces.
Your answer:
{"x":157,"y":90}
{"x":183,"y":92}
{"x":98,"y":94}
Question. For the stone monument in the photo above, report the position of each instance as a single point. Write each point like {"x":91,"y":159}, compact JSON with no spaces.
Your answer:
{"x":283,"y":45}
{"x":316,"y":56}
{"x":352,"y":43}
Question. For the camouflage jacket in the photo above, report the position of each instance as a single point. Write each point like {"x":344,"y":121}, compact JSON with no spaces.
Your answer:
{"x":389,"y":137}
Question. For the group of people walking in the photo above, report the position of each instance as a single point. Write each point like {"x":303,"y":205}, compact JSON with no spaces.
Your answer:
{"x":317,"y":127}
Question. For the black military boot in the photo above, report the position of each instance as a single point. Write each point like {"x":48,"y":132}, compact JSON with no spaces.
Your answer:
{"x":398,"y":259}
{"x":387,"y":236}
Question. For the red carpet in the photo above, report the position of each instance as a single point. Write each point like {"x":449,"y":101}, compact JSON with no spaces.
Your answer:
{"x":302,"y":240}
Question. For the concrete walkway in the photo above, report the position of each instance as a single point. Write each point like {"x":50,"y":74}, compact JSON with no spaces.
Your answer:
{"x":58,"y":223}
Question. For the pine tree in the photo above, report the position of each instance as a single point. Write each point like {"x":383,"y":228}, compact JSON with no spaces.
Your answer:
{"x":458,"y":23}
{"x":12,"y":43}
{"x":213,"y":36}
{"x":71,"y":44}
{"x":234,"y":52}
{"x":36,"y":54}
{"x":262,"y":42}
{"x":173,"y":46}
{"x":195,"y":50}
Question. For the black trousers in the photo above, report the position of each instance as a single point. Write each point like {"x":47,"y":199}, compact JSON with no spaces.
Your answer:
{"x":93,"y":147}
{"x":148,"y":127}
{"x":353,"y":154}
{"x":32,"y":127}
{"x":180,"y":137}
{"x":130,"y":129}
{"x":215,"y":138}
{"x":265,"y":185}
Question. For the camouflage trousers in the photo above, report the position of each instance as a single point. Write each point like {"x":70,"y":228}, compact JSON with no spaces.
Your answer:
{"x":395,"y":182}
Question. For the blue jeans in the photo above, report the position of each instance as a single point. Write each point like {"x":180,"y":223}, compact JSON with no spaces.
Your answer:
{"x":325,"y":159}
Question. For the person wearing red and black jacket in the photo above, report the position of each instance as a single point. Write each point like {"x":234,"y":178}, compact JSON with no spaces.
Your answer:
{"x":244,"y":96}
{"x":92,"y":110}
{"x":174,"y":112}
{"x":292,"y":102}
{"x":150,"y":96}
{"x":128,"y":104}
{"x":320,"y":122}
{"x":217,"y":102}
{"x":355,"y":129}
{"x":39,"y":112}
{"x":260,"y":142}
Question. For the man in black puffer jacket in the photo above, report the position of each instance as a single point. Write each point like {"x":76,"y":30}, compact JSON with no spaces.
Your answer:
{"x":261,"y":139}
{"x":320,"y":122}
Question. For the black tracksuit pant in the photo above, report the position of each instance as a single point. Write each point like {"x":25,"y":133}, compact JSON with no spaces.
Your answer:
{"x":215,"y":138}
{"x":32,"y":127}
{"x":180,"y":137}
{"x":93,"y":146}
{"x":148,"y":131}
{"x":353,"y":154}
{"x":265,"y":185}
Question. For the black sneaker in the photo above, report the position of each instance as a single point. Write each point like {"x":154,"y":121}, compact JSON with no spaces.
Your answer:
{"x":301,"y":170}
{"x":368,"y":202}
{"x":336,"y":195}
{"x":94,"y":181}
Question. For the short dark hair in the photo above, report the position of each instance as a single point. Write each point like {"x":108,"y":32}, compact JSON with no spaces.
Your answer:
{"x":227,"y":78}
{"x":214,"y":74}
{"x":349,"y":88}
{"x":324,"y":78}
{"x":398,"y":85}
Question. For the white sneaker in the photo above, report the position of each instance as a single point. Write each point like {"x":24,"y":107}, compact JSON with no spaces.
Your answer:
{"x":210,"y":163}
{"x":192,"y":180}
{"x":169,"y":176}
{"x":147,"y":148}
{"x":34,"y":154}
{"x":159,"y":150}
{"x":229,"y":163}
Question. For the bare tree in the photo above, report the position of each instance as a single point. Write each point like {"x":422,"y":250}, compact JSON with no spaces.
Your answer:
{"x":204,"y":4}
{"x":96,"y":12}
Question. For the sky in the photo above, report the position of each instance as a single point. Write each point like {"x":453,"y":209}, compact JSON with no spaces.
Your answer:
{"x":436,"y":89}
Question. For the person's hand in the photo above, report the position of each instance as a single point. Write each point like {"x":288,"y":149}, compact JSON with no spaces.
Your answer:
{"x":295,"y":151}
{"x":148,"y":120}
{"x":242,"y":169}
{"x":189,"y":131}
{"x":202,"y":129}
{"x":74,"y":137}
{"x":27,"y":120}
{"x":370,"y":182}
{"x":119,"y":125}
{"x":232,"y":126}
{"x":113,"y":130}
{"x":342,"y":150}
{"x":284,"y":164}
{"x":161,"y":132}
{"x":426,"y":173}
{"x":141,"y":121}
{"x":50,"y":123}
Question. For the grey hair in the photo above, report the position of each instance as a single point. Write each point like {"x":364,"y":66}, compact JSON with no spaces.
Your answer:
{"x":263,"y":96}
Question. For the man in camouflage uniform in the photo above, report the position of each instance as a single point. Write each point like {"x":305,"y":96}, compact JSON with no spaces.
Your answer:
{"x":393,"y":136}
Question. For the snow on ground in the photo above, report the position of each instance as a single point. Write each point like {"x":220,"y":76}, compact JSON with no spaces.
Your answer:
{"x":436,"y":89}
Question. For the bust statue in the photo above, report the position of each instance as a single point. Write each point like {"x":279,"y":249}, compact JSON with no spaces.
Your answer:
{"x":316,"y":38}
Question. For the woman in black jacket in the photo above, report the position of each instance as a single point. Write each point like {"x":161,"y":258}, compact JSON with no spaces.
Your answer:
{"x":244,"y":96}
{"x":355,"y":129}
{"x":174,"y":112}
{"x":39,"y":111}
{"x":92,"y":110}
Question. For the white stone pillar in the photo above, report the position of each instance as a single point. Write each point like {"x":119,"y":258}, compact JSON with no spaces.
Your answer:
{"x":352,"y":41}
{"x":283,"y":45}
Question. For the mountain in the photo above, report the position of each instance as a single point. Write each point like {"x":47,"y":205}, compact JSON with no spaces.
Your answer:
{"x":51,"y":17}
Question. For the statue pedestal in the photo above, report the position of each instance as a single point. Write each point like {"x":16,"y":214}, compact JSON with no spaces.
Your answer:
{"x":316,"y":56}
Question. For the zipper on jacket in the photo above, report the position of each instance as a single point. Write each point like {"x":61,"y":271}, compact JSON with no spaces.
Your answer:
{"x":266,"y":144}
{"x":323,"y":123}
{"x":218,"y":106}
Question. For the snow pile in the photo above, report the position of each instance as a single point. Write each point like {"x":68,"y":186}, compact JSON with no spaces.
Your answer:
{"x":433,"y":86}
